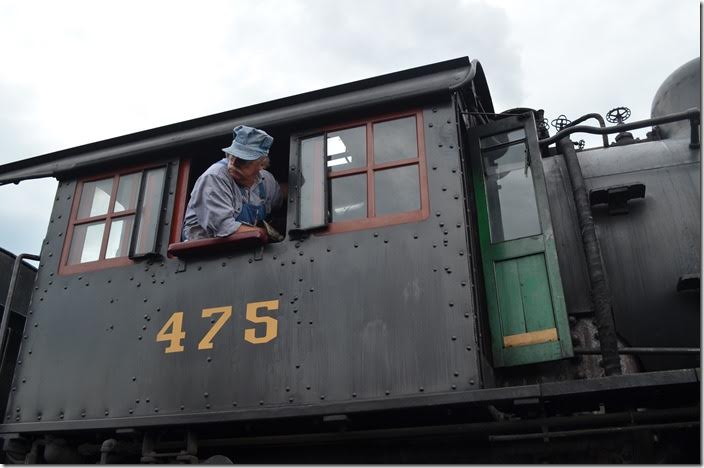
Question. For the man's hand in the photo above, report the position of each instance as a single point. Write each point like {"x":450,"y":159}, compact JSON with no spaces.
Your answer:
{"x":245,"y":228}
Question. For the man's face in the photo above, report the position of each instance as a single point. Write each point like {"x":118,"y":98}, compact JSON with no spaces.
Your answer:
{"x":246,"y":173}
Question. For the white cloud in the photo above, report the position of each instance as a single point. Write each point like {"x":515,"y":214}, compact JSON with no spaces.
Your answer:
{"x":592,"y":56}
{"x":24,"y":214}
{"x":78,"y":71}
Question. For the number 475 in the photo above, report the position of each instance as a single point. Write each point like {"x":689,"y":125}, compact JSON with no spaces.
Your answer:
{"x":172,"y":331}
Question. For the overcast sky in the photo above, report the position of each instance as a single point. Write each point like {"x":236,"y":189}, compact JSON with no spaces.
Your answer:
{"x":74,"y":72}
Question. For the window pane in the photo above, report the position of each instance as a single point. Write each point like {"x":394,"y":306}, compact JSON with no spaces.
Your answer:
{"x":395,"y":139}
{"x":127,"y":192}
{"x":150,"y":211}
{"x":397,"y":190}
{"x":120,"y":237}
{"x":347,"y":149}
{"x":513,"y":212}
{"x":86,"y":242}
{"x":503,"y":138}
{"x":95,"y":198}
{"x":349,"y":197}
{"x":312,"y":206}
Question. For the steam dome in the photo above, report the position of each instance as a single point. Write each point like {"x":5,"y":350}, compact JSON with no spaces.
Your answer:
{"x":679,"y":92}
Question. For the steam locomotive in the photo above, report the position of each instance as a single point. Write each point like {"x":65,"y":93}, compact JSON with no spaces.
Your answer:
{"x":454,"y":284}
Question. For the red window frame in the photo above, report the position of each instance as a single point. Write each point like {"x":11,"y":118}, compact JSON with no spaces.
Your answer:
{"x":184,"y":171}
{"x":102,"y":262}
{"x":372,"y":221}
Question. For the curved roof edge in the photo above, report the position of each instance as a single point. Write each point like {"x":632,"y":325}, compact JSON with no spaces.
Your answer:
{"x":406,"y":84}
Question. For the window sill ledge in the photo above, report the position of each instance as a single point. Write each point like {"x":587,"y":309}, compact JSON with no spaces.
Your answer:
{"x":222,"y":245}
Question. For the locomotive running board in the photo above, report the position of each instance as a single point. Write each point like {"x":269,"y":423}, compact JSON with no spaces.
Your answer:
{"x":678,"y":386}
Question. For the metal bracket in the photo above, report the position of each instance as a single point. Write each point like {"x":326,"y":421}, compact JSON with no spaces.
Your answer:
{"x":617,"y":196}
{"x":189,"y":455}
{"x":335,"y":418}
{"x":528,"y":407}
{"x":181,"y":267}
{"x":531,"y":401}
{"x":259,"y":253}
{"x":298,"y":234}
{"x":690,"y":282}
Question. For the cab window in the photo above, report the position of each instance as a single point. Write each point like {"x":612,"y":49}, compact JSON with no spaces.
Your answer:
{"x":363,"y":174}
{"x":114,"y":218}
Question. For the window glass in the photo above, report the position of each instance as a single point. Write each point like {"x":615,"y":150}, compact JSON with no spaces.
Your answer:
{"x":503,"y":138}
{"x":95,"y":198}
{"x":150,"y":211}
{"x":347,"y":149}
{"x":86,"y":242}
{"x":312,"y":193}
{"x":127,"y":192}
{"x":513,"y":212}
{"x":397,"y":190}
{"x":120,"y":237}
{"x":382,"y":158}
{"x":395,"y":139}
{"x":349,"y":197}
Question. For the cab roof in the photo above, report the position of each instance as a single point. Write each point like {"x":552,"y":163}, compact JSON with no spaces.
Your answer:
{"x":408,"y":84}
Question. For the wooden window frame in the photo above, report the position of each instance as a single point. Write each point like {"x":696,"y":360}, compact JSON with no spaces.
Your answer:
{"x":184,"y":172}
{"x":101,"y":263}
{"x":373,"y":221}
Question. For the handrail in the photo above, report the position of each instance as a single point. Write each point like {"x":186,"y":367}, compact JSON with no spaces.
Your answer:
{"x":693,"y":115}
{"x":8,"y":300}
{"x":596,"y":116}
{"x":601,"y":298}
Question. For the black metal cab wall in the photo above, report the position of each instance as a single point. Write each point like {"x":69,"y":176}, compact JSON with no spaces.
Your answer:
{"x":366,"y":301}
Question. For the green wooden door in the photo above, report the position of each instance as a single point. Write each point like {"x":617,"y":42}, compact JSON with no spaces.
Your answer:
{"x":527,"y":313}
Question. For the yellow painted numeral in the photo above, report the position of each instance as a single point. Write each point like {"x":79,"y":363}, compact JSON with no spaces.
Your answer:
{"x":175,"y":336}
{"x":207,"y":341}
{"x":271,"y":323}
{"x":172,"y":331}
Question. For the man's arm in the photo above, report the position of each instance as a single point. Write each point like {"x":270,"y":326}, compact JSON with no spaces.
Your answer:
{"x":215,"y":206}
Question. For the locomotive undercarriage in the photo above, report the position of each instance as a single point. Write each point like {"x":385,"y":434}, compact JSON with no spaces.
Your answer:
{"x":640,"y":418}
{"x":663,"y":443}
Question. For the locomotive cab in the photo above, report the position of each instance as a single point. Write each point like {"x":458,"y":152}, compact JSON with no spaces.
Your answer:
{"x":431,"y":280}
